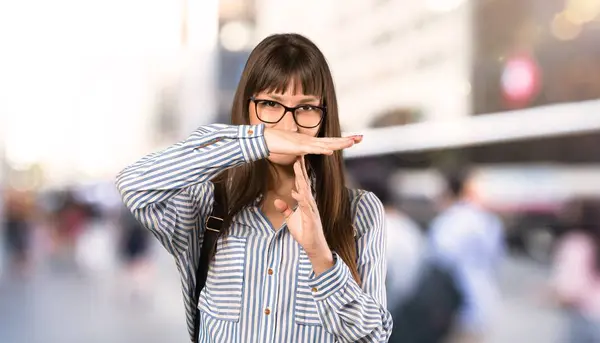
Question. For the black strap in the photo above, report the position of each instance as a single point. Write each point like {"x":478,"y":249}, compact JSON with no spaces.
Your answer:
{"x":214,"y":224}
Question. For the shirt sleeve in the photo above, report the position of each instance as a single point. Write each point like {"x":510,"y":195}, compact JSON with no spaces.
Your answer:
{"x":350,"y":312}
{"x":167,"y":191}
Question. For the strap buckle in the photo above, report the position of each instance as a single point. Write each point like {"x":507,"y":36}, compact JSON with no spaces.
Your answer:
{"x":215,"y":222}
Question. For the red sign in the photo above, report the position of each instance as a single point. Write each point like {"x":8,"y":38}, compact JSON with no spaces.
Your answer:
{"x":520,"y":81}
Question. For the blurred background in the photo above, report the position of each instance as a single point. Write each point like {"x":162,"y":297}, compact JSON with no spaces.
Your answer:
{"x":510,"y":88}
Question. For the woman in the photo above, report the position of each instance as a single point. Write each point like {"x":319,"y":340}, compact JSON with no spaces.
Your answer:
{"x":303,"y":258}
{"x":576,"y":275}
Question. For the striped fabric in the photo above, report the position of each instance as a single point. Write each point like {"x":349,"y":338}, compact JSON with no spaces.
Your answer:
{"x":260,"y":286}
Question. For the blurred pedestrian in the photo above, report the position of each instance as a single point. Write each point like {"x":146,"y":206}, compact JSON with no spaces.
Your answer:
{"x":576,"y":271}
{"x":468,"y":241}
{"x":405,"y":252}
{"x":71,"y":220}
{"x":135,"y":257}
{"x":17,"y":232}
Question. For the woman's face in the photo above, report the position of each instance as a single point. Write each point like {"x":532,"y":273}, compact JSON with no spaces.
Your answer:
{"x":267,"y":106}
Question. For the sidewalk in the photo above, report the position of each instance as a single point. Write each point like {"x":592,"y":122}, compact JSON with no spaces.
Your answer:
{"x":65,"y":308}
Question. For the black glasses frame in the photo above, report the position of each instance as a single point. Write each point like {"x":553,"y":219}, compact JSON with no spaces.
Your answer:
{"x":286,"y":110}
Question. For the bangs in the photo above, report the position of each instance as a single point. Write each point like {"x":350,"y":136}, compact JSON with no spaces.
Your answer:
{"x":291,"y":67}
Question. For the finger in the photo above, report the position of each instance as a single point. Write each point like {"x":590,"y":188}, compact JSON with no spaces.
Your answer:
{"x":296,"y":180}
{"x":315,"y":149}
{"x":305,"y":186}
{"x":305,"y":175}
{"x":283,"y":208}
{"x":302,"y":201}
{"x":319,"y":151}
{"x":303,"y":165}
{"x":333,"y":139}
{"x":338,"y":145}
{"x":297,"y":196}
{"x":309,"y":185}
{"x":322,"y":149}
{"x":300,"y":182}
{"x":357,"y":138}
{"x":353,"y":138}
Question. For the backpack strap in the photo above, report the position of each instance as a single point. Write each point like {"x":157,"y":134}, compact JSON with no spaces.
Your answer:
{"x":213,"y":226}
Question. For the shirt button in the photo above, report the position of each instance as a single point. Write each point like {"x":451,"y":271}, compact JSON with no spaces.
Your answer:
{"x":314,"y":289}
{"x":267,"y":311}
{"x":270,"y":271}
{"x":250,"y":131}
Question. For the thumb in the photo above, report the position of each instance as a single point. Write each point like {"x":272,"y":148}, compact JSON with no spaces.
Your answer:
{"x":283,"y":208}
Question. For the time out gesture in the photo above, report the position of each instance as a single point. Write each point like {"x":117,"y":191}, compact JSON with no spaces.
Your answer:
{"x":304,"y":222}
{"x":298,"y":144}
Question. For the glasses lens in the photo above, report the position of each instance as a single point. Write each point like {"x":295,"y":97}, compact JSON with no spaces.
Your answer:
{"x":269,"y":111}
{"x":308,"y":116}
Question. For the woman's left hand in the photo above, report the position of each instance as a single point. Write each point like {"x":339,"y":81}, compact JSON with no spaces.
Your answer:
{"x":304,"y":223}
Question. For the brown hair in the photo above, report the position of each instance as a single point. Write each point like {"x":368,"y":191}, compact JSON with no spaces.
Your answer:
{"x":273,"y":65}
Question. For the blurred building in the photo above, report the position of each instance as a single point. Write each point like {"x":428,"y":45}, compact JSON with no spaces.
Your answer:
{"x":448,"y":58}
{"x":538,"y":53}
{"x":386,"y":54}
{"x":185,"y":76}
{"x":534,"y":53}
{"x":237,"y":30}
{"x":100,"y":85}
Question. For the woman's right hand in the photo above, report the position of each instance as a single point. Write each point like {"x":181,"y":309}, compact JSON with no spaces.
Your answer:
{"x":298,"y":144}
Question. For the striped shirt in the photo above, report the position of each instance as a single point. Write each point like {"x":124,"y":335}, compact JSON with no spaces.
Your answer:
{"x":260,"y":286}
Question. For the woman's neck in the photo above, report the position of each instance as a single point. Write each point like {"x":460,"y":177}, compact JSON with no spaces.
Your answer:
{"x":283,"y":179}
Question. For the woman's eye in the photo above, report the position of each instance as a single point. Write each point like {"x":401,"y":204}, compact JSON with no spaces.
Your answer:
{"x":306,"y":108}
{"x":270,"y":103}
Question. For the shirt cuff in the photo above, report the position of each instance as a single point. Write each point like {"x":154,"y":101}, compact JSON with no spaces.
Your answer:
{"x":331,"y":281}
{"x":252,"y":142}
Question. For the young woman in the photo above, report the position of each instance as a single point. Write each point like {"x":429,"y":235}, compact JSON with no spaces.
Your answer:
{"x":302,"y":258}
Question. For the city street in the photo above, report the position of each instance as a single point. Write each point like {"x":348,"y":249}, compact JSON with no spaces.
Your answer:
{"x":526,"y":315}
{"x":53,"y":308}
{"x":478,"y":124}
{"x":65,"y":308}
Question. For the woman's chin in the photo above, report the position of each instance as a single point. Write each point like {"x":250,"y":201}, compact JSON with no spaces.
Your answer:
{"x":282,"y":160}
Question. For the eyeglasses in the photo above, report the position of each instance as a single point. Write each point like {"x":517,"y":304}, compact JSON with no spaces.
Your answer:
{"x":271,"y":112}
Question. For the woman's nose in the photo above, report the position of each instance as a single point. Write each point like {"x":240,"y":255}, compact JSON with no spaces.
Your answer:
{"x":288,"y":123}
